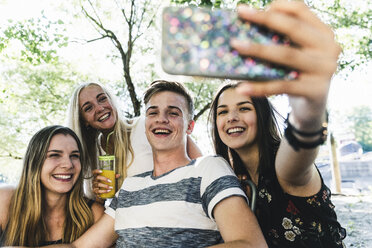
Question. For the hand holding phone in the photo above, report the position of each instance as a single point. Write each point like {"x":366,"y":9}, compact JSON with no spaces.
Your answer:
{"x":196,"y":42}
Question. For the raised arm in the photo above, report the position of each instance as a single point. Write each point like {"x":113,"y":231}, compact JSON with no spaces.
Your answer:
{"x":315,"y":56}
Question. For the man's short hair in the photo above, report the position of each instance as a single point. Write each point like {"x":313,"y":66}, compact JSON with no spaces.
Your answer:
{"x":162,"y":85}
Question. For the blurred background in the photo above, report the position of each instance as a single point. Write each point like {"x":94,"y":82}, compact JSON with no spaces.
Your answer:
{"x":49,"y":47}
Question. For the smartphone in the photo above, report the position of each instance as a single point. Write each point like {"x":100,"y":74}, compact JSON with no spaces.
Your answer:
{"x":195,"y":42}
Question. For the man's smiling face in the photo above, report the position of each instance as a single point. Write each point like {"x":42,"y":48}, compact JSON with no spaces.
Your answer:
{"x":167,"y":121}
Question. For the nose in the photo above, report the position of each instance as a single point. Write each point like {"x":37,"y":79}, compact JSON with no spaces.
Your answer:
{"x":162,"y":118}
{"x":233,"y":116}
{"x":67,"y":162}
{"x":99,"y":108}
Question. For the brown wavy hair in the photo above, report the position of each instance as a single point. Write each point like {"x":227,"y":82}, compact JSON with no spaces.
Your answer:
{"x":26,"y":225}
{"x":268,"y":135}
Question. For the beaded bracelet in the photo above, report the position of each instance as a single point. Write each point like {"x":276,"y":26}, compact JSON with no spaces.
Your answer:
{"x":297,"y":144}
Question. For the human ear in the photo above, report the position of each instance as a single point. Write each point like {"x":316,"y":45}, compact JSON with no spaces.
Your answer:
{"x":190,"y":127}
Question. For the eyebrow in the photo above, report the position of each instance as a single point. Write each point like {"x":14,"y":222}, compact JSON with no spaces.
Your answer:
{"x":175,"y":107}
{"x":86,"y":103}
{"x":169,"y":107}
{"x":238,"y":104}
{"x":151,"y":107}
{"x":60,"y":151}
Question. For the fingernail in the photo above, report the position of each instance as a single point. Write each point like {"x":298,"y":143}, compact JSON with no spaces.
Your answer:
{"x":108,"y":190}
{"x":99,"y":171}
{"x":110,"y":187}
{"x":234,"y":42}
{"x":108,"y":180}
{"x":239,"y":44}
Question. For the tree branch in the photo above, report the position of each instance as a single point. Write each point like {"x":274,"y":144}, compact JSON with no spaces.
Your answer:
{"x":197,"y":98}
{"x":139,"y":34}
{"x":99,"y":38}
{"x":11,"y":156}
{"x":125,"y":16}
{"x":95,"y":12}
{"x":201,"y":112}
{"x":131,"y":13}
{"x":109,"y":34}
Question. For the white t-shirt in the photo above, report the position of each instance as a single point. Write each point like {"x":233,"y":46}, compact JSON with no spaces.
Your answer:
{"x":143,"y":160}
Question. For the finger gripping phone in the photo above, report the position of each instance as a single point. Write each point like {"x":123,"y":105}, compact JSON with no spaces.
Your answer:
{"x":195,"y":42}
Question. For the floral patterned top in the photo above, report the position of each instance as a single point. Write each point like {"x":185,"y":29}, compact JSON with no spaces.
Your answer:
{"x":291,"y":221}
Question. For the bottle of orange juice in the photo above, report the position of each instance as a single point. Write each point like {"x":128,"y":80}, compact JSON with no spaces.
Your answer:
{"x":107,"y":165}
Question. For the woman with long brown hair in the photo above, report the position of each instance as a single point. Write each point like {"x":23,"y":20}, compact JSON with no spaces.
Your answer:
{"x":294,"y":208}
{"x":48,"y":205}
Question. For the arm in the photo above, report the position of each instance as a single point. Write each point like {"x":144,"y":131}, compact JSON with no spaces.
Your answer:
{"x":315,"y":57}
{"x":101,"y":234}
{"x":192,"y":149}
{"x":97,"y":210}
{"x":237,"y":224}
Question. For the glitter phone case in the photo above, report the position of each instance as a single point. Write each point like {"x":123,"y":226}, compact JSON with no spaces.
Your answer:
{"x":195,"y":42}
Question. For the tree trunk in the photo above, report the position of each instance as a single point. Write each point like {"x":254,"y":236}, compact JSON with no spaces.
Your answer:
{"x":336,"y":174}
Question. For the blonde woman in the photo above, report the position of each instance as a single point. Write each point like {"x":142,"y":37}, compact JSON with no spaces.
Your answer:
{"x":94,"y":116}
{"x":47,"y":206}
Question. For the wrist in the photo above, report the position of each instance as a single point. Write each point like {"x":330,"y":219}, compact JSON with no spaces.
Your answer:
{"x":306,"y":139}
{"x":308,"y":122}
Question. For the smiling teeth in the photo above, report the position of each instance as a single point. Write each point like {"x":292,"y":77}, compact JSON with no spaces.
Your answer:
{"x":63,"y":176}
{"x":157,"y":131}
{"x":104,"y":117}
{"x":235,"y":130}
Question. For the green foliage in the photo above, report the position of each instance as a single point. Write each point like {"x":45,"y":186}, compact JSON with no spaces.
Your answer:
{"x":40,"y":38}
{"x":220,"y":3}
{"x":256,"y":3}
{"x":198,"y":3}
{"x":202,"y":91}
{"x":353,"y":28}
{"x":34,"y":88}
{"x":32,"y":97}
{"x":361,"y":117}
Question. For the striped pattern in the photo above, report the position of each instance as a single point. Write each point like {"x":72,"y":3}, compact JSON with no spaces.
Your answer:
{"x":174,"y":209}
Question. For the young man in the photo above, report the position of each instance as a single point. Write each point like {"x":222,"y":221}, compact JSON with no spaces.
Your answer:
{"x":181,"y":203}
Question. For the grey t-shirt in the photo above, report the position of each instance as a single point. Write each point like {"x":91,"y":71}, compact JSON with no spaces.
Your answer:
{"x":174,"y":209}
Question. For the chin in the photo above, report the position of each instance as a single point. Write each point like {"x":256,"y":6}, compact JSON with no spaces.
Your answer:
{"x":235,"y":146}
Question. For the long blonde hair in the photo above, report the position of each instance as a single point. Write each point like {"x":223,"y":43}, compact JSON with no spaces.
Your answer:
{"x":26,"y":225}
{"x":89,"y":136}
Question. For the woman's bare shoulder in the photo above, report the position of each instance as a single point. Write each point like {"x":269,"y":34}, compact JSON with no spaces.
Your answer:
{"x":6,"y":193}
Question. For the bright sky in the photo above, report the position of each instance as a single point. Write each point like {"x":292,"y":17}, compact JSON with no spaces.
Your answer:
{"x":356,"y":90}
{"x":22,"y":9}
